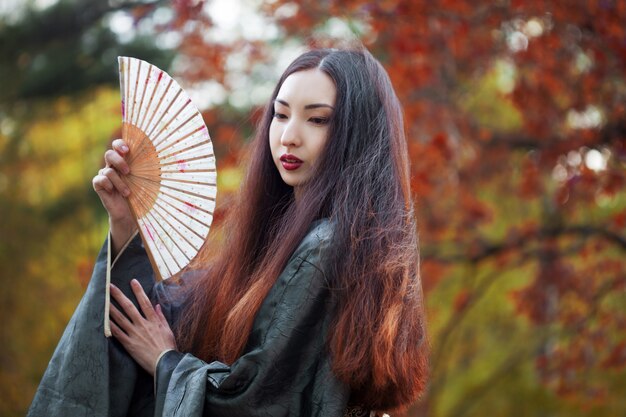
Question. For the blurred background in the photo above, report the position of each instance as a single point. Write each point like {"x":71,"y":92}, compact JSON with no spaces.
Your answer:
{"x":516,"y":120}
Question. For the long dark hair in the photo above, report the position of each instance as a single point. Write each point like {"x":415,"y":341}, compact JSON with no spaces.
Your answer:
{"x":361,"y":183}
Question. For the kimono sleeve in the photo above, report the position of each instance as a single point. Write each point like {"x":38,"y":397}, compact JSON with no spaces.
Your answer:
{"x":285,"y":370}
{"x":88,"y":374}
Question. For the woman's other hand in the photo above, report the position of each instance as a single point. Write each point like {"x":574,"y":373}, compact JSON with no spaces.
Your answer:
{"x":145,"y":336}
{"x":112,"y":191}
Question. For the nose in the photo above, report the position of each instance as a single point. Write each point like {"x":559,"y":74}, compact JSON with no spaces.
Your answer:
{"x":291,"y":134}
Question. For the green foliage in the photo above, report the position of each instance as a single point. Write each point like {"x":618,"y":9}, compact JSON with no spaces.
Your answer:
{"x":65,"y":49}
{"x":485,"y":100}
{"x":54,"y":228}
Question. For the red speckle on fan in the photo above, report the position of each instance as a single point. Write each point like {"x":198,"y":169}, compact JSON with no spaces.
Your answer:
{"x":148,"y":231}
{"x":182,"y":165}
{"x":191,"y":206}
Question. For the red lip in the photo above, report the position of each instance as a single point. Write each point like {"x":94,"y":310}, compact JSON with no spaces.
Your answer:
{"x":290,"y":162}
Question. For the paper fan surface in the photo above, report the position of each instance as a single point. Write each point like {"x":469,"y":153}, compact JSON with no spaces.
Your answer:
{"x":172,"y":178}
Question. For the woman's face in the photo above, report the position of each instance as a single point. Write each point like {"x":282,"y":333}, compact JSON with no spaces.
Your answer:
{"x":299,"y":129}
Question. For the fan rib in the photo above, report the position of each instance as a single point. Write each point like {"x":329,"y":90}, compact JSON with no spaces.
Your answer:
{"x":139,"y":148}
{"x":179,"y":139}
{"x":164,"y":164}
{"x":196,"y":219}
{"x":142,"y":185}
{"x":167,"y":210}
{"x":171,"y":244}
{"x":152,"y":187}
{"x":149,"y":239}
{"x":143,"y":95}
{"x":167,"y":109}
{"x":126,"y":91}
{"x":192,"y":202}
{"x":154,"y":88}
{"x":144,"y":191}
{"x":188,"y":189}
{"x":204,"y":179}
{"x":143,"y":182}
{"x":192,"y":171}
{"x":146,"y":171}
{"x":181,"y":165}
{"x":187,"y":203}
{"x":124,"y":87}
{"x":208,"y":141}
{"x":157,"y":141}
{"x":149,"y":107}
{"x":165,"y":267}
{"x":192,"y":148}
{"x":190,"y":193}
{"x":122,"y":64}
{"x":152,"y":221}
{"x":171,"y":172}
{"x":156,"y":110}
{"x":132,"y":114}
{"x":140,"y":157}
{"x":180,"y":232}
{"x":214,"y":184}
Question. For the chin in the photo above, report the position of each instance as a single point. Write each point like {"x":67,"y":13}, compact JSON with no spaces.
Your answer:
{"x":290,"y":180}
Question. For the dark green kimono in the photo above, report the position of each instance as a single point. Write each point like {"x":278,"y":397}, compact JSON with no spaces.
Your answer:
{"x":285,"y":370}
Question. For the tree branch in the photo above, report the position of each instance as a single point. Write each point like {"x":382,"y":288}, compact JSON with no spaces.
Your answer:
{"x":474,"y":394}
{"x":489,"y":250}
{"x":605,"y":135}
{"x":59,"y":22}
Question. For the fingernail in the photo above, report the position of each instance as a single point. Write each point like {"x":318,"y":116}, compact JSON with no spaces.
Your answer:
{"x":126,"y":192}
{"x":124,"y":148}
{"x":126,"y":170}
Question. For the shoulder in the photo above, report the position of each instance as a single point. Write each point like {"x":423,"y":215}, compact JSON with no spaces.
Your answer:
{"x":316,"y":244}
{"x":300,"y":295}
{"x":307,"y":269}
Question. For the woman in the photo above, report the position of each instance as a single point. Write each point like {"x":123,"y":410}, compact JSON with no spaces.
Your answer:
{"x":312,"y":307}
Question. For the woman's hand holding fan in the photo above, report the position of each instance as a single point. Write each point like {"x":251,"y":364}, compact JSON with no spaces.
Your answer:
{"x":112,"y":191}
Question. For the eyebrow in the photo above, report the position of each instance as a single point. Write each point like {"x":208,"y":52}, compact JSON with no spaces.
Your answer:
{"x":308,"y":106}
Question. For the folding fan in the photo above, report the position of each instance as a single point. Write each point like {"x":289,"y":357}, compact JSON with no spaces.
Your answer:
{"x":173,"y":180}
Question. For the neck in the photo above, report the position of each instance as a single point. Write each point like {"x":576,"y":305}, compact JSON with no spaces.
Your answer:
{"x":297,"y":193}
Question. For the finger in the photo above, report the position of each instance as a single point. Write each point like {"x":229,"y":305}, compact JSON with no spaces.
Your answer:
{"x":101,"y":182}
{"x":115,"y":179}
{"x":120,"y":319}
{"x":142,"y":298}
{"x":119,"y":334}
{"x":127,"y":305}
{"x":117,"y":161}
{"x":120,"y":146}
{"x":161,"y":316}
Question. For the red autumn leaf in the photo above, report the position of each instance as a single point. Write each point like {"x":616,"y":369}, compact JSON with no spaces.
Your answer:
{"x":461,"y":301}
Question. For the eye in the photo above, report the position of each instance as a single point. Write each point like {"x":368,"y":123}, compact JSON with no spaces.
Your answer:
{"x":319,"y":120}
{"x":278,"y":115}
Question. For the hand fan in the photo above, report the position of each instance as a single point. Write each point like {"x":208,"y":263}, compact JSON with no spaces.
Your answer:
{"x":173,"y":179}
